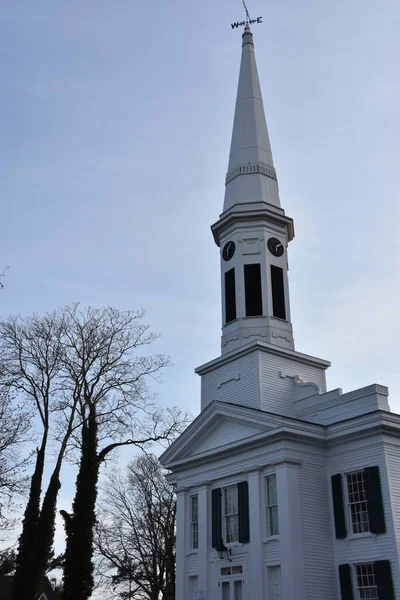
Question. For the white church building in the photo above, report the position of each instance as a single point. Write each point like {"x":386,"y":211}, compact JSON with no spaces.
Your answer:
{"x":285,"y":490}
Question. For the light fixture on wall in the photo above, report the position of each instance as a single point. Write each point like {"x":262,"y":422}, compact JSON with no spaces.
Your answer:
{"x":224,"y":553}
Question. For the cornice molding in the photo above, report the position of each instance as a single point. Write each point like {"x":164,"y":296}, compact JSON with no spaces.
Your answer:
{"x":239,"y":447}
{"x":249,"y":212}
{"x":258,"y":345}
{"x":311,"y":434}
{"x":379,"y":429}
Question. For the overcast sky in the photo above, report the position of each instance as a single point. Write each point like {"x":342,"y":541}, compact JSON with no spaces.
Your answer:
{"x":115,"y":131}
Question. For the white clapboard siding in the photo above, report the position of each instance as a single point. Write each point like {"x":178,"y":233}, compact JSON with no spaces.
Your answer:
{"x":272,"y":554}
{"x":368,"y":547}
{"x":193,"y":563}
{"x":276,"y":382}
{"x":316,"y":529}
{"x":258,"y":380}
{"x":235,"y":382}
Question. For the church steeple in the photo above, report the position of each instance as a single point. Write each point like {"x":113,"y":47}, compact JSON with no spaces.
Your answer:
{"x":251,"y":174}
{"x":253,"y":231}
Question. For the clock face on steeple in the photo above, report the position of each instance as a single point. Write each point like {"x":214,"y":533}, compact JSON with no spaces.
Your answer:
{"x":275,"y":247}
{"x":229,"y":250}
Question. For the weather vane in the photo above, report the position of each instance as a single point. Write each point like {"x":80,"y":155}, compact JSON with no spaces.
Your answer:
{"x":248,"y":20}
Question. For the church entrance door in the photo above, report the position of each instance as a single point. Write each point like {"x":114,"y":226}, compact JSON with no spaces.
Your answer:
{"x":232,"y":590}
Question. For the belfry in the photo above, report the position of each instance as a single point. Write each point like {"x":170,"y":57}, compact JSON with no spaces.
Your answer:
{"x":285,"y":490}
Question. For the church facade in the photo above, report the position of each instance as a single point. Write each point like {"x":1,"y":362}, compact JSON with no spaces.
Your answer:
{"x":285,"y":490}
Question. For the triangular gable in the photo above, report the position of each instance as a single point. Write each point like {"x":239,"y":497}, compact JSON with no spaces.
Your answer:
{"x":218,"y":426}
{"x":226,"y":430}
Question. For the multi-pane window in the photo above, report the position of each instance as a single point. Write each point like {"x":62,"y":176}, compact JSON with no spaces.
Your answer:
{"x":231,"y":513}
{"x":366,"y":585}
{"x":232,"y":570}
{"x":272,"y":506}
{"x":194,"y":521}
{"x":357,"y":498}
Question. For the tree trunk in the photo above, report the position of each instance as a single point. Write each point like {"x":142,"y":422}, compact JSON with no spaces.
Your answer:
{"x":47,"y":518}
{"x":78,"y":569}
{"x":26,"y":580}
{"x":46,"y":524}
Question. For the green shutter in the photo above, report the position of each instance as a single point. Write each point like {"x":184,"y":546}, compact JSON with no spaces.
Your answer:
{"x":216,"y":517}
{"x":374,"y":498}
{"x":346,"y":586}
{"x":383,"y":578}
{"x":338,"y":506}
{"x":243,"y":502}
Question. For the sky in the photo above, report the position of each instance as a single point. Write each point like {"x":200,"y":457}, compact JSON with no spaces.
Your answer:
{"x":114,"y":140}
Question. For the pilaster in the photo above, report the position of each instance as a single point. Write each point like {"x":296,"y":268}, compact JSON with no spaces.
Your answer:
{"x":255,"y":577}
{"x":202,"y":492}
{"x":180,"y":574}
{"x":290,"y":531}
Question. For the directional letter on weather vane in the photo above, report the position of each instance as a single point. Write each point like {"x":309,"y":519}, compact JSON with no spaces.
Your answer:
{"x":248,"y":20}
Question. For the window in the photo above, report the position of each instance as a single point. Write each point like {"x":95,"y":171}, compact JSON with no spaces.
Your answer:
{"x":278,"y":292}
{"x":230,"y":296}
{"x":366,"y":584}
{"x":194,"y":522}
{"x":231,"y":514}
{"x":252,"y":290}
{"x":235,"y":570}
{"x":272,"y":506}
{"x":358,"y":502}
{"x":367,"y":581}
{"x":357,"y":499}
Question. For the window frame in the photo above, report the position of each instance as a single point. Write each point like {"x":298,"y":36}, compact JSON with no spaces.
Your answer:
{"x":194,"y":524}
{"x":269,"y":507}
{"x":349,"y":504}
{"x":226,"y":516}
{"x":373,"y":587}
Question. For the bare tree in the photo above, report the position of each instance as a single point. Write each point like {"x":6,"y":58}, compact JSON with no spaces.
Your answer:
{"x":14,"y":431}
{"x":31,"y":350}
{"x":86,"y":375}
{"x":109,"y":373}
{"x":135,"y":541}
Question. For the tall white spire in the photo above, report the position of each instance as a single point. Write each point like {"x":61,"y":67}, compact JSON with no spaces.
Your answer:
{"x":253,"y":231}
{"x":251,"y":174}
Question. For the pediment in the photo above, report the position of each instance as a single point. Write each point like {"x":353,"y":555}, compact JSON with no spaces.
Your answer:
{"x":219,"y":427}
{"x":226,"y":430}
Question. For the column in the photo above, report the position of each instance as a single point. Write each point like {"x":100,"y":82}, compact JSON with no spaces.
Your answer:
{"x":290,"y":531}
{"x":254,"y":580}
{"x":181,"y":520}
{"x":202,"y":492}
